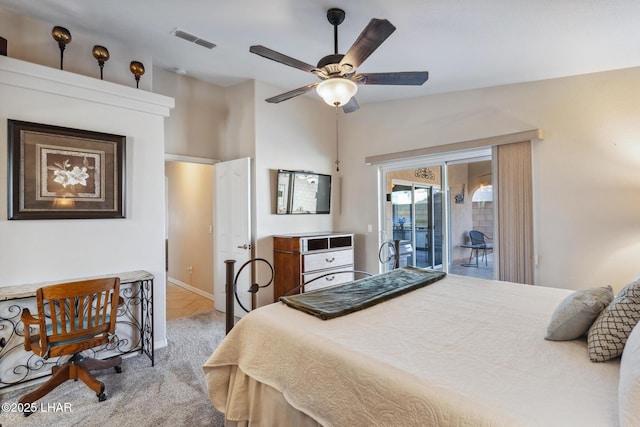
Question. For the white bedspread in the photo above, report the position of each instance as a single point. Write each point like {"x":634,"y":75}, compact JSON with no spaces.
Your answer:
{"x":460,"y":352}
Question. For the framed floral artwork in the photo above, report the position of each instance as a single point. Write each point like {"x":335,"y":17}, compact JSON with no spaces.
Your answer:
{"x":63,"y":173}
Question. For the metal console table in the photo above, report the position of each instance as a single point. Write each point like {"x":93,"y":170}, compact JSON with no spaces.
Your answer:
{"x":134,"y":328}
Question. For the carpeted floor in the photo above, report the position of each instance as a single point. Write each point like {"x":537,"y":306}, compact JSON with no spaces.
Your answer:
{"x":172,"y":393}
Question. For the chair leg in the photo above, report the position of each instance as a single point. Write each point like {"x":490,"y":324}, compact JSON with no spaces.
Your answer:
{"x":61,"y":375}
{"x":86,"y":365}
{"x":94,"y":364}
{"x":471,"y":257}
{"x":80,"y":372}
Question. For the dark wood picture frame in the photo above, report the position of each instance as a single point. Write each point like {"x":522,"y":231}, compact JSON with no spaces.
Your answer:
{"x":63,"y":173}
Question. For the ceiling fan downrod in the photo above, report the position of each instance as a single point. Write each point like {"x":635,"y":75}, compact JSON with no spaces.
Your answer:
{"x":335,"y":17}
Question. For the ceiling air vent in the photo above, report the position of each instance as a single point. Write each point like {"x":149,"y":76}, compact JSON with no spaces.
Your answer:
{"x":193,"y":39}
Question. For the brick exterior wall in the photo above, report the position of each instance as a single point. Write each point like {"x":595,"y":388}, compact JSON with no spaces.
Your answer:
{"x":483,"y":217}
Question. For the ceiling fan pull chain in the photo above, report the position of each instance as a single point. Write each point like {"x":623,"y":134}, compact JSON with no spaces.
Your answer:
{"x":337,"y":142}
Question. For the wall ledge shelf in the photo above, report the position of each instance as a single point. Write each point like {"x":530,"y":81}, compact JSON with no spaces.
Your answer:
{"x":27,"y":75}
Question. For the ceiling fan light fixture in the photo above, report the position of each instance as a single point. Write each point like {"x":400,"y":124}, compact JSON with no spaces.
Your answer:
{"x":337,"y":91}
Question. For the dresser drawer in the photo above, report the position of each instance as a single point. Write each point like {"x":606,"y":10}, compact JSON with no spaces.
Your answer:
{"x":324,"y":260}
{"x":329,"y":280}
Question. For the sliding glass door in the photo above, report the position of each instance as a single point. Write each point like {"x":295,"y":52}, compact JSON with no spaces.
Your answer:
{"x":416,"y":217}
{"x":429,"y":203}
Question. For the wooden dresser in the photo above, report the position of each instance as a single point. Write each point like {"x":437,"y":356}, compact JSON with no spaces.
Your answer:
{"x":299,"y":258}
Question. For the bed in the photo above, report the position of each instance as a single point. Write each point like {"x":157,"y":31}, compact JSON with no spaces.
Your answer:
{"x":458,"y":352}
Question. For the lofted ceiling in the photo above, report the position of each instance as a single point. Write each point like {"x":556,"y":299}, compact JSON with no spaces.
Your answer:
{"x":464,"y":44}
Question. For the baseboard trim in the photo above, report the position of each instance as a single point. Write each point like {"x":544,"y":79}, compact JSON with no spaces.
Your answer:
{"x":190,"y":288}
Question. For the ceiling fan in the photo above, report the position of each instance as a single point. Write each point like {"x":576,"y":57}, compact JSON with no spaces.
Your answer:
{"x":338,"y":72}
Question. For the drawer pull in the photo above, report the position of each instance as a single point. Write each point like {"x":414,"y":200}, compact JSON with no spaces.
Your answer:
{"x":329,"y":278}
{"x":330,"y":260}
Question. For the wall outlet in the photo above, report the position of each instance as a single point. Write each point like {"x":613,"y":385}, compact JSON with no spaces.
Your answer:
{"x":190,"y":269}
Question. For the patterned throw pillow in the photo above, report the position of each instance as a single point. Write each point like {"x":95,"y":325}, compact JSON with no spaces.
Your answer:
{"x":576,"y":313}
{"x":609,"y":333}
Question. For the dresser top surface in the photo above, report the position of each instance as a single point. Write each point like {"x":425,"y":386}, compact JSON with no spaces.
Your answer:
{"x":314,"y":234}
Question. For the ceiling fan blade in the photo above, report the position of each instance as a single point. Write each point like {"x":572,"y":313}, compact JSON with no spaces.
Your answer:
{"x":281,"y":58}
{"x":369,"y":40}
{"x":411,"y":78}
{"x":351,"y":106}
{"x":292,"y":93}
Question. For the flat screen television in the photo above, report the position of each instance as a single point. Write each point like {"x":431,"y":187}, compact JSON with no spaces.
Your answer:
{"x":303,"y":192}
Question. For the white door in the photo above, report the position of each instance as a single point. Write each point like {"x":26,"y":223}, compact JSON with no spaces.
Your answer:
{"x":232,"y":233}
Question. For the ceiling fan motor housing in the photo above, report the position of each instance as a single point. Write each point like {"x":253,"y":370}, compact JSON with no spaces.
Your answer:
{"x":331,"y":64}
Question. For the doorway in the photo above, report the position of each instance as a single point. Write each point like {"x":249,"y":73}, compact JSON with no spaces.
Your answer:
{"x":471,"y":209}
{"x":188,"y":234}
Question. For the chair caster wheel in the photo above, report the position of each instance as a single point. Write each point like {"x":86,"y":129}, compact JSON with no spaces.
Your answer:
{"x":101,"y":397}
{"x":118,"y":369}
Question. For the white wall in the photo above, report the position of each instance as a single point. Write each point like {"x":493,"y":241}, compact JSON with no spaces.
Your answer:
{"x":240,"y":131}
{"x":586,"y":180}
{"x":196,"y":127}
{"x":34,"y":251}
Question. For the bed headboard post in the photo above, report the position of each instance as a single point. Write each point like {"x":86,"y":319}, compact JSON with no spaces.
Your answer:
{"x":229,"y":293}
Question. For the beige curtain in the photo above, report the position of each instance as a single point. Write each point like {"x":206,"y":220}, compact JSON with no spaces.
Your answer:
{"x":514,"y":208}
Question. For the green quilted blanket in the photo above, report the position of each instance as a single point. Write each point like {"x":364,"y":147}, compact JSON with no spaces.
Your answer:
{"x":336,"y":301}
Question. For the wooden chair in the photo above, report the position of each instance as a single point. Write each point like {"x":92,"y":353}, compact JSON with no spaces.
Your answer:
{"x":73,"y":317}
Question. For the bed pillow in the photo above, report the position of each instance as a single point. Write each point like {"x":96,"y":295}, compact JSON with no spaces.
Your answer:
{"x":629,"y":385}
{"x":577,"y":312}
{"x":609,"y":333}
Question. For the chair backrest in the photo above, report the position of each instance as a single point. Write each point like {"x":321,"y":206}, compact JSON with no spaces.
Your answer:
{"x":78,"y":315}
{"x":477,"y":237}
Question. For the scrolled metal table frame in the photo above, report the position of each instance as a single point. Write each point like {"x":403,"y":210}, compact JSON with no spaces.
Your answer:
{"x":135,"y":315}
